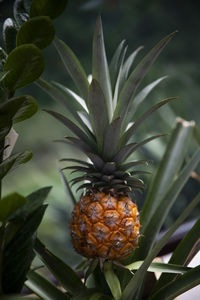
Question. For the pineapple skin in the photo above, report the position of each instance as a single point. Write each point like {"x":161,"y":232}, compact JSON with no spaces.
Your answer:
{"x":105,"y":226}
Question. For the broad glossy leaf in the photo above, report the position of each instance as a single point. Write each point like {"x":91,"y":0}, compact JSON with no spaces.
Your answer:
{"x":26,"y":64}
{"x":43,"y":287}
{"x":160,"y":267}
{"x":98,"y":112}
{"x":73,"y":127}
{"x":19,"y":108}
{"x":134,"y":284}
{"x":73,"y":67}
{"x":34,"y":201}
{"x":112,"y":280}
{"x":111,"y":139}
{"x":168,"y":168}
{"x":13,"y":161}
{"x":19,"y":12}
{"x":9,"y":204}
{"x":18,"y":253}
{"x":137,"y":76}
{"x":51,"y":8}
{"x":100,"y":70}
{"x":140,"y":97}
{"x":177,"y":287}
{"x":9,"y":34}
{"x":38,"y":31}
{"x":67,"y":188}
{"x":62,"y":272}
{"x":129,"y":133}
{"x":183,"y":253}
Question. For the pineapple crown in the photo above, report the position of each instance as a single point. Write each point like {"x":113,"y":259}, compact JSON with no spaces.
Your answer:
{"x":102,"y":116}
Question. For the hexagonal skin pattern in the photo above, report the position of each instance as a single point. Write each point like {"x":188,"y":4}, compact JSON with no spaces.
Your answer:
{"x":105,"y":226}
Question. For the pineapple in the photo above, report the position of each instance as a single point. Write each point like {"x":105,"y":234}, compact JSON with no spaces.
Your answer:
{"x":105,"y":222}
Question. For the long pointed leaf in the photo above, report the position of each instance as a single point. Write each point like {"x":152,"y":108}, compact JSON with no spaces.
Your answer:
{"x":67,"y":187}
{"x":168,"y":168}
{"x":140,"y":97}
{"x":177,"y":287}
{"x":182,"y":254}
{"x":112,"y":134}
{"x":125,"y":152}
{"x":100,"y":70}
{"x":112,"y":280}
{"x":129,"y":133}
{"x":73,"y":127}
{"x":62,"y":272}
{"x":135,"y":282}
{"x":115,"y":63}
{"x":160,"y":267}
{"x":98,"y":112}
{"x":74,"y":67}
{"x":44,"y":288}
{"x":137,"y":76}
{"x":166,"y":203}
{"x":66,"y":98}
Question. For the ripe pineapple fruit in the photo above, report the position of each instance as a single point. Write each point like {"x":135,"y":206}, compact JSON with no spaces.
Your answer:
{"x":105,"y":222}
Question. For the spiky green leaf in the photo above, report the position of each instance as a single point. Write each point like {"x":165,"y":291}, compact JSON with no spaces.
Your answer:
{"x":112,"y":280}
{"x":73,"y":67}
{"x":9,"y":204}
{"x":137,"y":76}
{"x":100,"y":70}
{"x":98,"y":112}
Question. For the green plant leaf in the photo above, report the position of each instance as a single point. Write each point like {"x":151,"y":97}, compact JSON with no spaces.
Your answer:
{"x":183,"y":253}
{"x":135,"y":283}
{"x":62,"y":272}
{"x":9,"y":204}
{"x":73,"y":127}
{"x":19,"y":12}
{"x":127,"y":150}
{"x":159,"y":267}
{"x":100,"y":296}
{"x":168,"y":168}
{"x":166,"y":203}
{"x":67,"y":98}
{"x":19,"y":108}
{"x":197,"y":134}
{"x":18,"y":253}
{"x":137,"y":76}
{"x":67,"y":188}
{"x":129,"y":133}
{"x":51,"y":8}
{"x":100,"y":70}
{"x":73,"y":67}
{"x":18,"y":297}
{"x":97,"y":104}
{"x":13,"y":161}
{"x":34,"y":201}
{"x":112,"y":134}
{"x":38,"y":31}
{"x":9,"y":34}
{"x":44,"y":288}
{"x":182,"y":284}
{"x":115,"y":63}
{"x":112,"y":280}
{"x":140,"y":97}
{"x":25,"y":64}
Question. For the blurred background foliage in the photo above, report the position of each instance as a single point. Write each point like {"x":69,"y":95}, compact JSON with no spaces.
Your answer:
{"x":140,"y":22}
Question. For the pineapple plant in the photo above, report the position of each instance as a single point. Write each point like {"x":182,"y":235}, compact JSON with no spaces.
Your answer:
{"x":105,"y":222}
